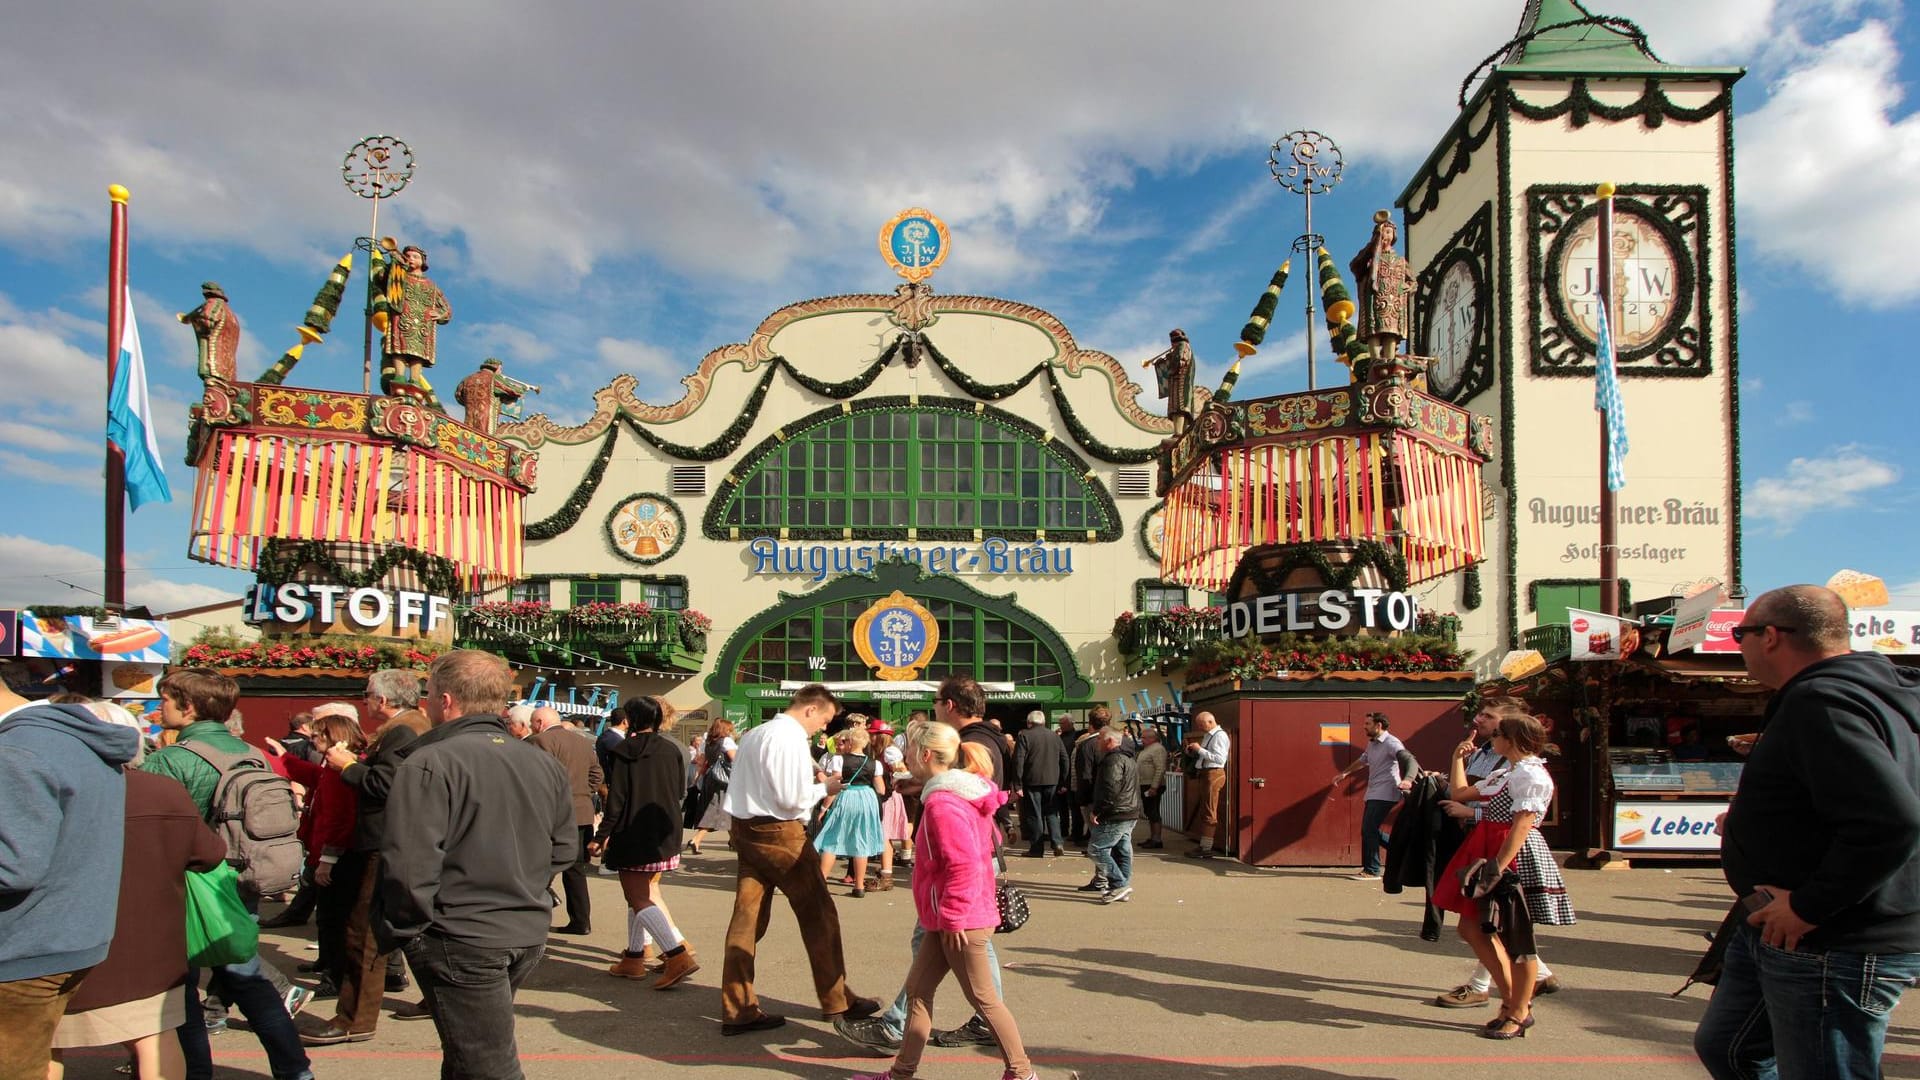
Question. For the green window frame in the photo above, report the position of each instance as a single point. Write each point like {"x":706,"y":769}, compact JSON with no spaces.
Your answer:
{"x":944,"y":469}
{"x":972,"y":639}
{"x":582,"y":593}
{"x":664,"y":594}
{"x":1152,"y":596}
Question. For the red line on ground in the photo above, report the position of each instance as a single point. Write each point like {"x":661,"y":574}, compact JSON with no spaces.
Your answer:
{"x":330,"y":1054}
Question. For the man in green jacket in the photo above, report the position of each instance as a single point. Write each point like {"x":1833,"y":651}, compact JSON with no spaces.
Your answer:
{"x":195,"y":704}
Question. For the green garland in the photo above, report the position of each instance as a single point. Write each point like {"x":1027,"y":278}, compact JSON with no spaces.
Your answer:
{"x":1470,"y":589}
{"x":66,"y":611}
{"x":576,"y":503}
{"x":1503,"y":149}
{"x":1252,"y":658}
{"x":1255,"y":331}
{"x":1389,"y":563}
{"x":1733,"y":339}
{"x":715,"y":526}
{"x":727,"y":441}
{"x":1146,"y":544}
{"x":679,"y":535}
{"x":280,"y":560}
{"x":1468,"y":145}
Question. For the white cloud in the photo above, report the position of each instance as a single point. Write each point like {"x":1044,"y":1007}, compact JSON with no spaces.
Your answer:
{"x":1796,"y":412}
{"x":37,"y":572}
{"x":1810,"y":485}
{"x":725,"y":140}
{"x":1904,"y":596}
{"x":1826,"y":169}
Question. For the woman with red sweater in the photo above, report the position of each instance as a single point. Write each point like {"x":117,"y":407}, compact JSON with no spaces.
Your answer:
{"x":333,"y":808}
{"x":953,"y":897}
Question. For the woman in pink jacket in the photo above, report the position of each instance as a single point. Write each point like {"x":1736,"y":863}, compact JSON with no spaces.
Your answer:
{"x":953,"y":897}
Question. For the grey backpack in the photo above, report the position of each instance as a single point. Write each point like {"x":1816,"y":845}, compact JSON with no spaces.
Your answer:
{"x":253,"y":810}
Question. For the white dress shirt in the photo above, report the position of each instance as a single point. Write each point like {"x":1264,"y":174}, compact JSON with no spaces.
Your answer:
{"x":773,"y":773}
{"x":1213,"y":749}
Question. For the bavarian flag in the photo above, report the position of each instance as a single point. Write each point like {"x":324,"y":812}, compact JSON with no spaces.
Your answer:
{"x":130,"y":418}
{"x":1607,"y":401}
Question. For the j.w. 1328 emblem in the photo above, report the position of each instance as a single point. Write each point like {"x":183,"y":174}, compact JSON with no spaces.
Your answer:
{"x":914,"y":243}
{"x":896,"y":637}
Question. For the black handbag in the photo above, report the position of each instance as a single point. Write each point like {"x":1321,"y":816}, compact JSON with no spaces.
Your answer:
{"x":1013,"y":907}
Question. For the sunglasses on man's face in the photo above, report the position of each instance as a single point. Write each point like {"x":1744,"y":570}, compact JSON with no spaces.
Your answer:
{"x":1739,"y":633}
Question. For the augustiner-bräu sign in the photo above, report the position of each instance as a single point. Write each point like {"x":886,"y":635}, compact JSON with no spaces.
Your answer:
{"x":1335,"y":611}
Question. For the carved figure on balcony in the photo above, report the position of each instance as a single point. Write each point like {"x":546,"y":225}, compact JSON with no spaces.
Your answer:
{"x":414,"y":310}
{"x":217,"y":331}
{"x":489,"y":393}
{"x":1173,"y":374}
{"x":1386,"y":283}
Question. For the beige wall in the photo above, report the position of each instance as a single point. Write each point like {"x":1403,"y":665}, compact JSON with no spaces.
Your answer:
{"x":1680,"y":488}
{"x":835,"y":346}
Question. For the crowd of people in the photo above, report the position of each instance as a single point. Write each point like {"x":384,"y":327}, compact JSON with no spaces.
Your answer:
{"x":431,"y":847}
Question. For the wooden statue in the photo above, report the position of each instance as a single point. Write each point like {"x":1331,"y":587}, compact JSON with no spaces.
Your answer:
{"x":217,"y":330}
{"x":1386,"y":285}
{"x":1173,"y":372}
{"x":415,"y":309}
{"x":488,"y":393}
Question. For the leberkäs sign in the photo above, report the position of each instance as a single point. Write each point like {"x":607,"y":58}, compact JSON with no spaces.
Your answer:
{"x":366,"y":608}
{"x":1329,"y":610}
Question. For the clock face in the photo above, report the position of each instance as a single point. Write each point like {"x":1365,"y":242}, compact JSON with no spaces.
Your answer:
{"x":1646,"y":280}
{"x":1453,"y":323}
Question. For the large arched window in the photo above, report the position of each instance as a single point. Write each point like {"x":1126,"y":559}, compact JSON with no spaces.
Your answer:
{"x":943,"y":467}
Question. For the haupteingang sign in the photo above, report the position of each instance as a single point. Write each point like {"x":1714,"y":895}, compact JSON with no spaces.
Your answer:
{"x":1334,"y":611}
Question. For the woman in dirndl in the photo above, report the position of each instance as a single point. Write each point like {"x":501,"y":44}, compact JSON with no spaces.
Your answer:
{"x":1512,"y":801}
{"x":852,"y":823}
{"x":640,"y":836}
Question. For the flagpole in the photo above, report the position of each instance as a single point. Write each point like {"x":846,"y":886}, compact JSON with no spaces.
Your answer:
{"x":1609,"y":543}
{"x":116,"y":582}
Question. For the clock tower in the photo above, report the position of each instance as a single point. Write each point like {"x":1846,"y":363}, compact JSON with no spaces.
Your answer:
{"x":1502,"y":230}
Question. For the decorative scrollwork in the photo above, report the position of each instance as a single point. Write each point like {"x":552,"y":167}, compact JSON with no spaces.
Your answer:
{"x":378,"y":167}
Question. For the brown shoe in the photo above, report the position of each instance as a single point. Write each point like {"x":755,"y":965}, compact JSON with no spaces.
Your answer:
{"x":880,"y":885}
{"x":679,"y":966}
{"x":629,"y":967}
{"x":1463,"y":996}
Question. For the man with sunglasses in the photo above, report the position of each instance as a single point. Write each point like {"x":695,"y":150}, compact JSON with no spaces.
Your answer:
{"x":1822,"y":845}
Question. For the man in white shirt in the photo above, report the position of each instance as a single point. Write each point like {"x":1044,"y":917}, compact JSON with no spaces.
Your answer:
{"x":1210,"y":824}
{"x":774,"y":787}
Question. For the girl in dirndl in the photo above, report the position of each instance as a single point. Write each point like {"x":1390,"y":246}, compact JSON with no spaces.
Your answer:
{"x":640,"y":836}
{"x":852,"y":824}
{"x":1513,"y":800}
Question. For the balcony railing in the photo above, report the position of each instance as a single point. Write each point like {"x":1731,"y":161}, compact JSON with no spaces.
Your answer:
{"x":657,"y":639}
{"x":1162,"y":640}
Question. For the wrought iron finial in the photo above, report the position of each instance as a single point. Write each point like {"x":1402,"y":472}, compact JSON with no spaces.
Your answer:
{"x":1306,"y":162}
{"x":378,"y":167}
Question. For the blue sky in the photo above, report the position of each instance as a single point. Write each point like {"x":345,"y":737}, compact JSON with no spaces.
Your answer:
{"x":622,"y":188}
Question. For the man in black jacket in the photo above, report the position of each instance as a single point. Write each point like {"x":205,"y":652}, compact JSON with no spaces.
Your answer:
{"x":477,"y":823}
{"x":1039,"y":768}
{"x":1822,"y":844}
{"x":1112,"y":814}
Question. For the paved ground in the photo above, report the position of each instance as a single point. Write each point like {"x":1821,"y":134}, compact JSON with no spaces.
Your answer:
{"x":1213,"y":970}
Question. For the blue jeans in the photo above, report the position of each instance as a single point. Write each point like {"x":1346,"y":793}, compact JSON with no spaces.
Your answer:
{"x":1372,"y":838}
{"x":246,"y":987}
{"x":1110,"y":846}
{"x":1800,"y":1014}
{"x":895,"y":1018}
{"x":1040,"y":817}
{"x":470,"y":989}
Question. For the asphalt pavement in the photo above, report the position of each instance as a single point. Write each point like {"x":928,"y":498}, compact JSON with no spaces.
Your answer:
{"x":1212,"y":970}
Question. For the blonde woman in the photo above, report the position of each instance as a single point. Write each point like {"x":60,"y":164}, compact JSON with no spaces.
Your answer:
{"x":953,"y":899}
{"x":852,"y":824}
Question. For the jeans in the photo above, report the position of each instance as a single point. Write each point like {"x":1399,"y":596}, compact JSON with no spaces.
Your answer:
{"x":895,"y":1018}
{"x":1040,"y":818}
{"x":470,"y":989}
{"x":1800,"y":1014}
{"x":1110,"y":845}
{"x":247,"y":987}
{"x":1372,"y":839}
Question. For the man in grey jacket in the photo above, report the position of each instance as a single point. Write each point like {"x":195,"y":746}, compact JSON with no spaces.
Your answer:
{"x":1040,"y":773}
{"x":477,"y":823}
{"x":1113,"y":813}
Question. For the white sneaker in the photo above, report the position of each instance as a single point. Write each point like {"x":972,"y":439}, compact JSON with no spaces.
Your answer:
{"x":1115,"y":896}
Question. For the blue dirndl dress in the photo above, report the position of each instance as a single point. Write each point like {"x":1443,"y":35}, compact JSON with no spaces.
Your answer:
{"x":852,"y":826}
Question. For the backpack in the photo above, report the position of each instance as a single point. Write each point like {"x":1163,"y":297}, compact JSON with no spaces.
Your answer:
{"x":253,"y":811}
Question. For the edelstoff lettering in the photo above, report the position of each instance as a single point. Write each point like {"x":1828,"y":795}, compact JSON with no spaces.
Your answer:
{"x":367,"y":608}
{"x":1329,"y":609}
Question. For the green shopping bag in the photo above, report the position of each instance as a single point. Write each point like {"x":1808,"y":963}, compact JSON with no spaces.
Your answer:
{"x":220,"y":930}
